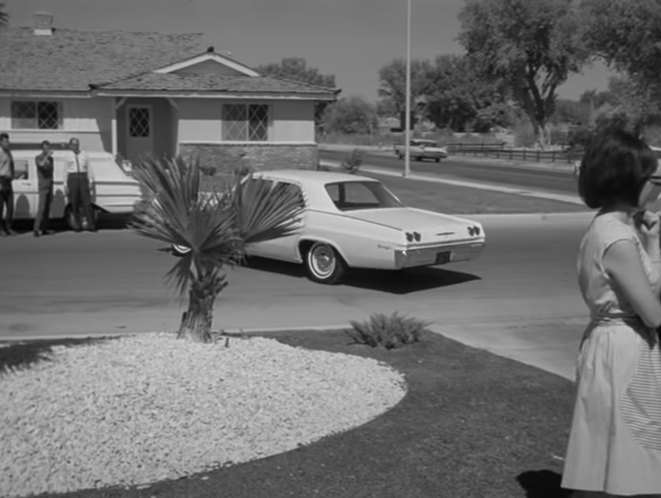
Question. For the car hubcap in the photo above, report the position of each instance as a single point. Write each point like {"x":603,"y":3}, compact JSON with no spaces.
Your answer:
{"x":323,"y":261}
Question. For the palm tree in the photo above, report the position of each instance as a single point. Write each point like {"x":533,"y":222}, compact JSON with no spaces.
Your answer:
{"x":4,"y":16}
{"x":216,"y":227}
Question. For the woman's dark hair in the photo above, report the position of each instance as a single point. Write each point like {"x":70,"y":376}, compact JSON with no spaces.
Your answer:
{"x":614,"y":169}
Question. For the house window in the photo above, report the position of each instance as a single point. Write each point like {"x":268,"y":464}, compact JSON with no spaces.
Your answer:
{"x":245,"y":122}
{"x":139,"y":122}
{"x":36,"y":115}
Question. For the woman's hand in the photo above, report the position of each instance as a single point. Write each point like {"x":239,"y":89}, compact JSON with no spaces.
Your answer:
{"x":647,"y":222}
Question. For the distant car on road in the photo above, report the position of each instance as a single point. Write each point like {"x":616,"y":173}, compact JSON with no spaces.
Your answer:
{"x":352,"y":221}
{"x":420,"y":149}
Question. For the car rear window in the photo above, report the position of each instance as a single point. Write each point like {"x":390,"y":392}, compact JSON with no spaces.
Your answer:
{"x":352,"y":195}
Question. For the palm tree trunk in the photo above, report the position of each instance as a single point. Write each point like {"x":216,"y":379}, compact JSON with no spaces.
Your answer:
{"x":196,"y":321}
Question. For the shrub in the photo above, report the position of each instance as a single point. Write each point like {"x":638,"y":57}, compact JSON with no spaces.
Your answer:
{"x":391,"y":332}
{"x":353,"y":161}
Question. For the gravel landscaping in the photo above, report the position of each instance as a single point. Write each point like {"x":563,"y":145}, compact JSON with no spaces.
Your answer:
{"x":144,"y":408}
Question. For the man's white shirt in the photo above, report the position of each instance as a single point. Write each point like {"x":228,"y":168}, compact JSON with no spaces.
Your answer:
{"x":78,"y":163}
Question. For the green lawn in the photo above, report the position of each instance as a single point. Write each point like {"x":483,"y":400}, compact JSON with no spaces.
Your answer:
{"x":472,"y":424}
{"x":452,"y":199}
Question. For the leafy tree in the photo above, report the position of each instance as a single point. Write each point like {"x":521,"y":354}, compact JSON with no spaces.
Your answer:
{"x":215,"y":226}
{"x":531,"y":46}
{"x":392,"y":83}
{"x":4,"y":16}
{"x":461,"y":100}
{"x":296,"y":69}
{"x":627,"y":36}
{"x":350,"y":115}
{"x":571,"y":112}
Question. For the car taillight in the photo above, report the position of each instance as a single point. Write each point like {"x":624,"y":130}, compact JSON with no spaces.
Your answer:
{"x":411,"y":236}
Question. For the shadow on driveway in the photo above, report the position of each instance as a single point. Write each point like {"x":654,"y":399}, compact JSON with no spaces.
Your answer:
{"x":392,"y":282}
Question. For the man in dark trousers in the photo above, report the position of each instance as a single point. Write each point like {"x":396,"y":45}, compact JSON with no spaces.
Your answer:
{"x":45,"y":180}
{"x":78,"y":186}
{"x":6,"y":189}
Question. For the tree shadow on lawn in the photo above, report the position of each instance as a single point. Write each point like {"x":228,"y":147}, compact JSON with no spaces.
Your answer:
{"x":20,"y":355}
{"x":393,"y":282}
{"x":472,"y":424}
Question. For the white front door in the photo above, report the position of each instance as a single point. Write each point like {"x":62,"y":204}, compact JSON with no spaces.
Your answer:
{"x":140,"y":131}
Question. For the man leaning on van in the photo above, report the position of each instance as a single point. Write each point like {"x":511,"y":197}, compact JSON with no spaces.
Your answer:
{"x":79,"y":187}
{"x":6,"y":189}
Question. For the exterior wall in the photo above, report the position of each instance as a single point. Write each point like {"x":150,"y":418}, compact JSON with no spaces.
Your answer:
{"x":88,"y":119}
{"x":209,"y":67}
{"x":216,"y":159}
{"x":292,"y":121}
{"x":164,"y":141}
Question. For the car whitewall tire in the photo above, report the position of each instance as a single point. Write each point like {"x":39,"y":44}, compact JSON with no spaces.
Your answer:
{"x":323,"y":264}
{"x":179,"y":250}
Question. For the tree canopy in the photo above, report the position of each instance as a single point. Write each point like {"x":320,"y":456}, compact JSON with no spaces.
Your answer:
{"x":392,"y":82}
{"x":296,"y":69}
{"x":350,"y":115}
{"x":627,"y":36}
{"x":531,"y":46}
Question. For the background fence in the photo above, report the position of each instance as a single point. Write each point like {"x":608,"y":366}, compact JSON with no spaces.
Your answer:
{"x":500,"y":151}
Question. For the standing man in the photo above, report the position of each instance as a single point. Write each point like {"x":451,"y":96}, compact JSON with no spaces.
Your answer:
{"x":45,"y":180}
{"x":78,"y":186}
{"x":6,"y":190}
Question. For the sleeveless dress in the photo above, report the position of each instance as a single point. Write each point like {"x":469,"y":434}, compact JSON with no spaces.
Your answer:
{"x":615,"y":439}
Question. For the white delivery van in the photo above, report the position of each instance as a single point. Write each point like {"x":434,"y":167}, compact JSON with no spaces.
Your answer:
{"x":113,"y":190}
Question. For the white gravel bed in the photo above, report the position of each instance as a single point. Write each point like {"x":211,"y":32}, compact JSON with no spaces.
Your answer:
{"x":144,"y":408}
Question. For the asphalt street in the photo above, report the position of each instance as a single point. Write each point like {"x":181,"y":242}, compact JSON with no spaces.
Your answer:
{"x":519,"y":299}
{"x":558,"y":179}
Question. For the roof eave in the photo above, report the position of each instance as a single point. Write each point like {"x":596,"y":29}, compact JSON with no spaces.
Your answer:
{"x":210,"y":94}
{"x":9,"y":92}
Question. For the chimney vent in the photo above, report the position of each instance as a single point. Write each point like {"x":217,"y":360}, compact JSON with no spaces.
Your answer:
{"x":43,"y":23}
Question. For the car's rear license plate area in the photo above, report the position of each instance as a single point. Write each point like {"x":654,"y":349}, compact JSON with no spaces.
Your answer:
{"x":443,"y":257}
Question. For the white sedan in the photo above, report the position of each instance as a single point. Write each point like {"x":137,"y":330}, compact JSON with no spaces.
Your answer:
{"x":352,"y":221}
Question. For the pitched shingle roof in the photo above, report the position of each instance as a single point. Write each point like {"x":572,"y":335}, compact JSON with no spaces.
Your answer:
{"x":214,"y":83}
{"x":71,"y":60}
{"x":113,"y":61}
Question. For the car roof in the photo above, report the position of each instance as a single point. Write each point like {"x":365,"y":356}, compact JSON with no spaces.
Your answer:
{"x":310,"y":177}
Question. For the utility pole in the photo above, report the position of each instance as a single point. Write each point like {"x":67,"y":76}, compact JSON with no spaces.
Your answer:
{"x":407,"y":115}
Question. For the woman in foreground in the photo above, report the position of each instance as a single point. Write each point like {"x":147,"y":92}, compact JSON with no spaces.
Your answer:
{"x":615,"y":441}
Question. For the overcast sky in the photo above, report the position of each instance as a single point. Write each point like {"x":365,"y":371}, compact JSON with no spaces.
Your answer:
{"x":351,"y":39}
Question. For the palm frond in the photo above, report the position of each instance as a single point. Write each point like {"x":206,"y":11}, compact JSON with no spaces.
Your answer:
{"x":266,"y":210}
{"x":214,"y":225}
{"x":4,"y":16}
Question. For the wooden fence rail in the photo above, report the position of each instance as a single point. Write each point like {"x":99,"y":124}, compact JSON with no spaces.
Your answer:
{"x":499,"y":151}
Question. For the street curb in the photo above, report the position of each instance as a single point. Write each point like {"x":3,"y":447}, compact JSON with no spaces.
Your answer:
{"x":229,"y":332}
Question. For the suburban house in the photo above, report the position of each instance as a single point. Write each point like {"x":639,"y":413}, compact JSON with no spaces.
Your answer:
{"x":166,"y":94}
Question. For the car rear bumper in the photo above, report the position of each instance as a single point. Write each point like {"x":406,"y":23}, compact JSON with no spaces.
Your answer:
{"x":438,"y":255}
